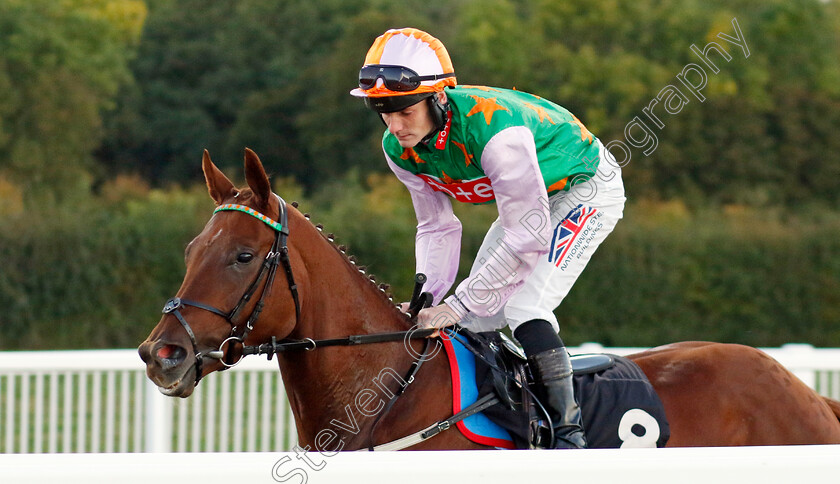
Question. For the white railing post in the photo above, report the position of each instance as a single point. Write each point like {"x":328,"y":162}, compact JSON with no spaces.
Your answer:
{"x":158,"y":420}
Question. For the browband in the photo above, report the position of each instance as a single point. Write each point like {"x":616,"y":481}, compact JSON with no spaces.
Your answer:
{"x":250,"y":211}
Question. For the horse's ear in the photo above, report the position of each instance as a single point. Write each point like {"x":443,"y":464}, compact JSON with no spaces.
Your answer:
{"x":218,"y":184}
{"x":256,"y":177}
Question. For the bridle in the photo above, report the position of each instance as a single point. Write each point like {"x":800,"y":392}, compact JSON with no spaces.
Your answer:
{"x":279,"y":253}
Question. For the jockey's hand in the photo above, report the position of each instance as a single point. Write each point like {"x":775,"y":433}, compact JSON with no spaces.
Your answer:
{"x":438,"y":317}
{"x":404,"y":307}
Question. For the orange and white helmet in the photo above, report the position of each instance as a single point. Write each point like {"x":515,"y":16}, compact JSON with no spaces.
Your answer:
{"x":402,"y":67}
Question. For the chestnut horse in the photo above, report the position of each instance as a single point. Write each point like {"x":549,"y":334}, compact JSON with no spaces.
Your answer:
{"x":713,"y":394}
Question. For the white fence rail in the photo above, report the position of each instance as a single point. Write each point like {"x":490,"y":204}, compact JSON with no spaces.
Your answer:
{"x":100,"y":402}
{"x":697,"y":465}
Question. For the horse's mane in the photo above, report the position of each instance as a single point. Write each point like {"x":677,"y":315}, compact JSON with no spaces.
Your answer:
{"x":383,"y":289}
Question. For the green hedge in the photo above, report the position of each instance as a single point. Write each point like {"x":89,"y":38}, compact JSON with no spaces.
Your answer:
{"x":96,"y":274}
{"x":93,"y":275}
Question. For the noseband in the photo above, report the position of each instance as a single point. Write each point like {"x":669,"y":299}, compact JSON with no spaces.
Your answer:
{"x":279,"y":253}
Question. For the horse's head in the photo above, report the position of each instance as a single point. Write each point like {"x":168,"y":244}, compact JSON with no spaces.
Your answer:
{"x":230,"y":267}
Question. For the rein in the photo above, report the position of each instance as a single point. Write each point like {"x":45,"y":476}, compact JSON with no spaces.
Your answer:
{"x":309,"y":344}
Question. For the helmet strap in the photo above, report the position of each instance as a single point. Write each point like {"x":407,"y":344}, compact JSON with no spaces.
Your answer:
{"x":438,"y":112}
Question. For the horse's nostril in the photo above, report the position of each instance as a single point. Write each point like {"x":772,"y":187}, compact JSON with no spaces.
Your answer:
{"x":166,"y":351}
{"x":171,"y":355}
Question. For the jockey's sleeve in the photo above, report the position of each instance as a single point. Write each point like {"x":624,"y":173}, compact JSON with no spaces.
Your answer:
{"x":438,"y":241}
{"x":510,"y":162}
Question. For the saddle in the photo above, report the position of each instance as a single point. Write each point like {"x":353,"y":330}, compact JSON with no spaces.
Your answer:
{"x":619,"y":405}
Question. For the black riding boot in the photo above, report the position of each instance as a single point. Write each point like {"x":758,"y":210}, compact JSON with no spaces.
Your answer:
{"x":553,"y":371}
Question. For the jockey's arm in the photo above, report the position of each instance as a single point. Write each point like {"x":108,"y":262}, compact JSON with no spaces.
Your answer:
{"x":438,"y":240}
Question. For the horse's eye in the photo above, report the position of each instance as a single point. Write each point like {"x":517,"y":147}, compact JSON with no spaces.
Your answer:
{"x":245,"y":257}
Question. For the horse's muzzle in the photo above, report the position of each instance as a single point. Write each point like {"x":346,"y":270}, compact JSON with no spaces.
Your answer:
{"x":168,"y":366}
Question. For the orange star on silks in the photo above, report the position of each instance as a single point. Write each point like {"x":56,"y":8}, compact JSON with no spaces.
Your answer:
{"x":558,"y":185}
{"x":485,"y":106}
{"x":410,"y":153}
{"x":448,"y":180}
{"x":584,"y":133}
{"x":541,"y":112}
{"x":467,"y":157}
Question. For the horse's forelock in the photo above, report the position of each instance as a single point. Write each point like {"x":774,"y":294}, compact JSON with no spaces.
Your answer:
{"x":246,"y":196}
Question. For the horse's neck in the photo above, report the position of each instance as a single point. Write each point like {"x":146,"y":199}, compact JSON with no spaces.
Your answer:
{"x":331,"y":389}
{"x":338,"y":299}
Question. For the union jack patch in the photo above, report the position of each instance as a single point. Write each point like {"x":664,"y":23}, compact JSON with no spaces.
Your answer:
{"x":567,"y":231}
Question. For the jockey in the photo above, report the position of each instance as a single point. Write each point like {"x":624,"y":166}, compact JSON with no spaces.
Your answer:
{"x":558,"y":192}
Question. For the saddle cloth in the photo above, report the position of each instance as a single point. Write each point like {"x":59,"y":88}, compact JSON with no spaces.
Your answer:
{"x":619,"y":406}
{"x":478,"y":428}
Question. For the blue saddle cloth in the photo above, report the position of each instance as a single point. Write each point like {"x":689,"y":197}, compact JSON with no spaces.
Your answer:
{"x":478,"y":428}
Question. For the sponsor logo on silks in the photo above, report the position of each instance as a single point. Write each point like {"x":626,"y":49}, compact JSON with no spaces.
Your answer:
{"x":467,"y":191}
{"x":567,"y":231}
{"x":444,"y":134}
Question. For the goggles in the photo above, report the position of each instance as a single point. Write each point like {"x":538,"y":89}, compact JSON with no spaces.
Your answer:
{"x":395,"y":78}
